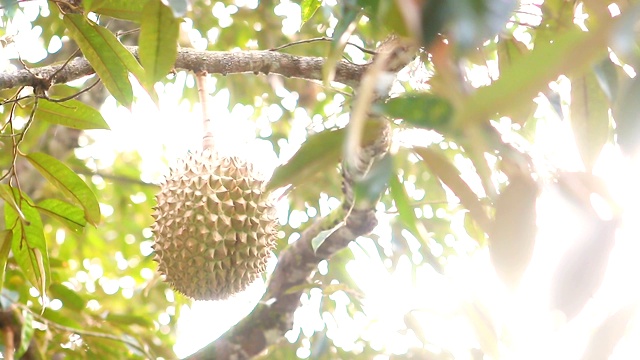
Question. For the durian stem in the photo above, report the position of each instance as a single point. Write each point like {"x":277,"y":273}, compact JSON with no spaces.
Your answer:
{"x":207,"y":138}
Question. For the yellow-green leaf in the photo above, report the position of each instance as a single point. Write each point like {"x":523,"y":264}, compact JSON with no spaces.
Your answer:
{"x":308,"y":8}
{"x":69,"y":183}
{"x":129,"y":61}
{"x":450,"y":176}
{"x":421,"y":109}
{"x":510,"y":51}
{"x":321,"y":152}
{"x":531,"y":74}
{"x":119,"y":9}
{"x":127,"y":319}
{"x":6,"y":194}
{"x":341,"y":34}
{"x":5,"y":237}
{"x":72,"y":113}
{"x":102,"y":52}
{"x":28,"y":244}
{"x":69,"y":298}
{"x":69,"y":215}
{"x":589,"y":117}
{"x":406,"y":212}
{"x":317,"y":241}
{"x":158,"y":41}
{"x":26,"y":332}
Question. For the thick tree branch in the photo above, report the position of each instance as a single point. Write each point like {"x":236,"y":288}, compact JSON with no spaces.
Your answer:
{"x":273,"y":317}
{"x":296,"y":264}
{"x":213,"y":62}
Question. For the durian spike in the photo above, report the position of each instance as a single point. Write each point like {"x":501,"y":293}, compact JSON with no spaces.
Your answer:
{"x":207,"y":138}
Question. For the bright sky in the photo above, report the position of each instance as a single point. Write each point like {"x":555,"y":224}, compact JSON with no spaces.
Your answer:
{"x":444,"y":306}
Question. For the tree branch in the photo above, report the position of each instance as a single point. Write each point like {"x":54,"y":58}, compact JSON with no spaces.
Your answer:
{"x":273,"y":316}
{"x":296,"y":264}
{"x":213,"y":62}
{"x":269,"y":321}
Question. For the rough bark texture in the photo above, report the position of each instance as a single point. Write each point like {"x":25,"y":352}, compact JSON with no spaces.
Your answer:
{"x":213,"y":62}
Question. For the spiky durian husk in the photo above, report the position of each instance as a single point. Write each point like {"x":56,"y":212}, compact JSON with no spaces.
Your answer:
{"x":214,"y":227}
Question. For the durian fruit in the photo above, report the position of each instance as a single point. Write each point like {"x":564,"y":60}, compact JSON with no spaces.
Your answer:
{"x":214,"y":227}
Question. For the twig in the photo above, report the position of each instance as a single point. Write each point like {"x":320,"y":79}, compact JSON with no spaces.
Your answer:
{"x":64,"y":64}
{"x":67,"y":98}
{"x":324,"y":38}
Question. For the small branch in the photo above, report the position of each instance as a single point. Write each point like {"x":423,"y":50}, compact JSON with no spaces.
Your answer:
{"x":324,"y":38}
{"x":213,"y":62}
{"x":274,"y":315}
{"x":113,"y":177}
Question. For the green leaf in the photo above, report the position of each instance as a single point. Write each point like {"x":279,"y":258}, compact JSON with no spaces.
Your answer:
{"x":321,"y":152}
{"x":450,"y":176}
{"x":158,"y":41}
{"x":467,"y":23}
{"x":529,"y":75}
{"x":124,"y":319}
{"x":6,"y":194}
{"x":9,"y":7}
{"x":343,"y":30}
{"x":5,"y":247}
{"x":119,"y":9}
{"x":68,"y":297}
{"x":69,"y":215}
{"x":129,"y":61}
{"x":370,"y":188}
{"x":87,"y":4}
{"x":331,"y":289}
{"x":423,"y":110}
{"x":26,"y":333}
{"x":406,"y":213}
{"x":435,"y":15}
{"x":386,"y":17}
{"x":72,"y":113}
{"x":309,"y":7}
{"x":28,"y":243}
{"x":69,"y":183}
{"x":103,"y":54}
{"x":589,"y":117}
{"x":513,"y":234}
{"x":317,"y":241}
{"x":510,"y":51}
{"x":70,"y":319}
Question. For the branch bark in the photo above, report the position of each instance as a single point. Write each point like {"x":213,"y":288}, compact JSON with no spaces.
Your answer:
{"x":213,"y":62}
{"x":273,"y":316}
